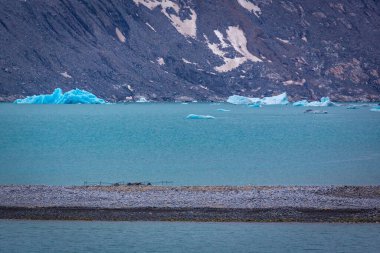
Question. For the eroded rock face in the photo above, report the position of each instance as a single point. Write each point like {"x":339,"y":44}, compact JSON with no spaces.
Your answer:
{"x":168,"y":50}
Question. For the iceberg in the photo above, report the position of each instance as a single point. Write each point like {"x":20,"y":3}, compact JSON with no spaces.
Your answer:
{"x":281,"y":99}
{"x":76,"y":96}
{"x":375,"y":109}
{"x":301,"y":103}
{"x":196,"y":116}
{"x":241,"y":100}
{"x":325,"y":101}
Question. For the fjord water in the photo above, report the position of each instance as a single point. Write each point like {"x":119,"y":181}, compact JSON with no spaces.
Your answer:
{"x":273,"y":145}
{"x":80,"y":237}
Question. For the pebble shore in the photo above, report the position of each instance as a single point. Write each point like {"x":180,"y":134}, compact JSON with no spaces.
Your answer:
{"x":208,"y":203}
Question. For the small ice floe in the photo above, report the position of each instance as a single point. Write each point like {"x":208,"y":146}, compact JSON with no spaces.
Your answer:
{"x":352,"y":107}
{"x":223,"y":110}
{"x":315,"y":111}
{"x":196,"y":116}
{"x":281,"y":99}
{"x":375,"y":109}
{"x":325,"y":101}
{"x":76,"y":96}
{"x":184,"y":103}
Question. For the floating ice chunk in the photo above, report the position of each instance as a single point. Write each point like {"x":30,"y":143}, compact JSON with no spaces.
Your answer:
{"x":281,"y":99}
{"x":315,"y":111}
{"x":196,"y":116}
{"x":325,"y":101}
{"x":352,"y":107}
{"x":76,"y":96}
{"x":375,"y":109}
{"x":223,"y":110}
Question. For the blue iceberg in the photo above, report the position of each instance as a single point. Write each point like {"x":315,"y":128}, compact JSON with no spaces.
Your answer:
{"x":241,"y":100}
{"x":325,"y":101}
{"x":196,"y":116}
{"x":76,"y":96}
{"x":301,"y":103}
{"x":375,"y":109}
{"x":281,"y":99}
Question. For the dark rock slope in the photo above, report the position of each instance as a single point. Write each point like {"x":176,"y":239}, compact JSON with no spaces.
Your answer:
{"x":191,"y":49}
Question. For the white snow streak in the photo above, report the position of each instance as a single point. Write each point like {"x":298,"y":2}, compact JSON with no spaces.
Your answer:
{"x":151,"y":27}
{"x":120,"y":35}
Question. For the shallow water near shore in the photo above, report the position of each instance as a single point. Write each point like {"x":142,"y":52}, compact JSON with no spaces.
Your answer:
{"x":80,"y":237}
{"x":273,"y":145}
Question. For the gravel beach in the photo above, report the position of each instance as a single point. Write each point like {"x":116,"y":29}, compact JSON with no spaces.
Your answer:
{"x":193,"y":203}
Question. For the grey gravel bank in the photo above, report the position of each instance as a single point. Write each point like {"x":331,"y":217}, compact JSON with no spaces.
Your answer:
{"x":193,"y":203}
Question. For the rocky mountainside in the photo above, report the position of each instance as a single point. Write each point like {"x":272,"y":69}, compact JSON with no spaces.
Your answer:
{"x":204,"y":50}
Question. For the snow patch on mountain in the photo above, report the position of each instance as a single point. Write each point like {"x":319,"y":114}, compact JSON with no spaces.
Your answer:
{"x":220,"y":36}
{"x":238,"y":40}
{"x":235,"y":39}
{"x":293,"y":82}
{"x":246,"y":4}
{"x":189,"y":62}
{"x":186,"y":27}
{"x":160,"y":61}
{"x":283,"y":41}
{"x":120,"y":35}
{"x":66,"y":75}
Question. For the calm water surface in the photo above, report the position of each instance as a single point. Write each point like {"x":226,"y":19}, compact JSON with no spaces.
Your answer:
{"x":80,"y":237}
{"x":274,"y":145}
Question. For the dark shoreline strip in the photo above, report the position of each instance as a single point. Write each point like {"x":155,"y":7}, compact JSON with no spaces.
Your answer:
{"x":192,"y":214}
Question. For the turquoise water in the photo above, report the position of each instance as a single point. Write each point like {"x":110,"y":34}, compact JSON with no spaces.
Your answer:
{"x":274,"y":145}
{"x":80,"y":237}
